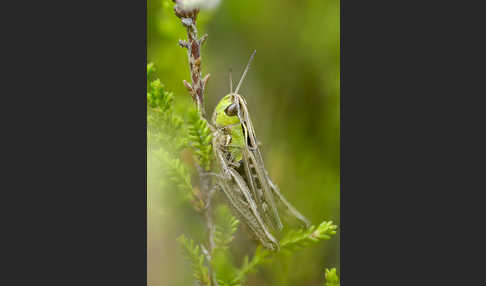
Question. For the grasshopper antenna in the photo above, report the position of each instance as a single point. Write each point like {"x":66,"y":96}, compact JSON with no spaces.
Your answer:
{"x":246,"y":70}
{"x":231,"y":80}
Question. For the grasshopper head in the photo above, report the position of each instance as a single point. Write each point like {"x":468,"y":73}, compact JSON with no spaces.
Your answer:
{"x":225,"y":112}
{"x":226,"y":116}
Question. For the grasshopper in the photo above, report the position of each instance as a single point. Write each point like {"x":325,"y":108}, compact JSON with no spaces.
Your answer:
{"x":244,"y":179}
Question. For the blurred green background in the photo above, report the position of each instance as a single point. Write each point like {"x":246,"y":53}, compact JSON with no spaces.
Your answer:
{"x":292,"y":90}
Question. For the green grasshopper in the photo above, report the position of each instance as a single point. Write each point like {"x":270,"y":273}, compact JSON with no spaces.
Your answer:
{"x":244,"y":180}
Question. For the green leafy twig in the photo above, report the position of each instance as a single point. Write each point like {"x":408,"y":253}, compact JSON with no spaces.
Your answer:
{"x":297,"y":239}
{"x":292,"y":241}
{"x":196,"y":258}
{"x":200,"y":138}
{"x":165,"y":134}
{"x":225,"y":230}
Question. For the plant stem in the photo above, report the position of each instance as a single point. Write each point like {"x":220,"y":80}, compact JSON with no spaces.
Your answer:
{"x":205,"y":183}
{"x":196,"y":89}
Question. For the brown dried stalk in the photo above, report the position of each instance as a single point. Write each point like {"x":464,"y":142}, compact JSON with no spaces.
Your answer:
{"x":193,"y":46}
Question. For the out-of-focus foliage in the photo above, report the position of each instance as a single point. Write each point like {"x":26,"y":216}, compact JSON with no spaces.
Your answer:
{"x":292,"y":90}
{"x":332,"y":279}
{"x":163,"y":125}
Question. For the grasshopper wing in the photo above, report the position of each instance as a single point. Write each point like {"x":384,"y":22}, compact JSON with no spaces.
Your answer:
{"x":255,"y":169}
{"x":256,"y":174}
{"x":236,"y":192}
{"x":242,"y":202}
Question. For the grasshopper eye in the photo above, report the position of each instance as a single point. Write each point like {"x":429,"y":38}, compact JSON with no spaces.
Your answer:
{"x":231,"y":110}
